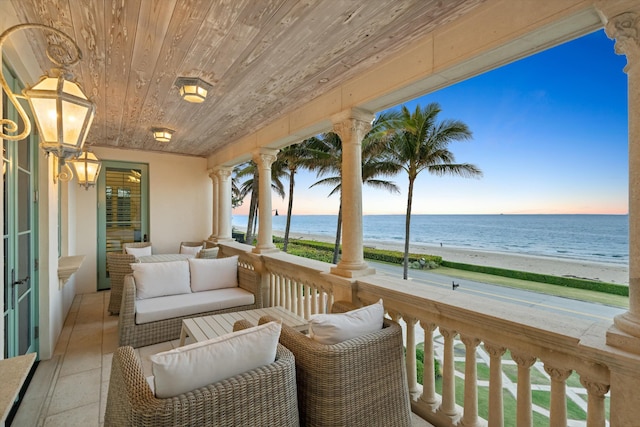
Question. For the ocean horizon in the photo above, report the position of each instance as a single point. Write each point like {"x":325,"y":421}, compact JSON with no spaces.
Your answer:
{"x":588,"y":237}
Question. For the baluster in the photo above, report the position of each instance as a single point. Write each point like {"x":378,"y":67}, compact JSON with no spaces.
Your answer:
{"x":294,"y":296}
{"x":329,"y":302}
{"x":411,"y":355}
{"x":428,"y":374}
{"x":283,"y":291}
{"x":558,"y":410}
{"x":496,"y":408}
{"x":307,"y":302}
{"x":595,"y":402}
{"x":314,"y":302}
{"x":470,"y":413}
{"x":300,"y":306}
{"x":524,"y":362}
{"x":288,"y":293}
{"x":275,"y":289}
{"x":448,"y":404}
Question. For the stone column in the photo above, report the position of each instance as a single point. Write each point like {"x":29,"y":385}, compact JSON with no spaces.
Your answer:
{"x":428,"y":374}
{"x":496,"y":407}
{"x":264,"y":158}
{"x":216,"y":205}
{"x":625,"y":29}
{"x":412,"y":378}
{"x":470,"y":414}
{"x":448,"y":404}
{"x":525,"y":362}
{"x":558,"y":410}
{"x":595,"y":402}
{"x":224,"y":204}
{"x":351,"y":126}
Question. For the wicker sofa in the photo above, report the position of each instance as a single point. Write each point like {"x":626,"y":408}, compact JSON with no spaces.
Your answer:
{"x":265,"y":396}
{"x":358,"y":382}
{"x":142,"y":334}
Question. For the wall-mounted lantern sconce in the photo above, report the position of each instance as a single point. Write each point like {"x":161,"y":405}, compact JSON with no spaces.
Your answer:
{"x":87,"y":167}
{"x":193,"y":89}
{"x":162,"y":134}
{"x":62,"y":111}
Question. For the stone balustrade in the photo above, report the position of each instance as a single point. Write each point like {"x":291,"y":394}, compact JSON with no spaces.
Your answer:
{"x":562,"y":344}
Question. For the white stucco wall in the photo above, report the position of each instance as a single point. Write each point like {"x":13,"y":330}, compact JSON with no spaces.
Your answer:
{"x":180,"y":205}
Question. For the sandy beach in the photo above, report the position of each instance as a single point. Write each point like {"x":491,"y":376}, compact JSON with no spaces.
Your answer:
{"x":611,"y":273}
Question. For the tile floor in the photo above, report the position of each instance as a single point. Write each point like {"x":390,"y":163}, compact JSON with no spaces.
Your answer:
{"x":70,"y":389}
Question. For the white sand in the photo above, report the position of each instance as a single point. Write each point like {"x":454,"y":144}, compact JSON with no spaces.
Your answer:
{"x":611,"y":273}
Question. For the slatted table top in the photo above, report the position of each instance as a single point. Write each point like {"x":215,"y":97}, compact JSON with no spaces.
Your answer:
{"x":203,"y":328}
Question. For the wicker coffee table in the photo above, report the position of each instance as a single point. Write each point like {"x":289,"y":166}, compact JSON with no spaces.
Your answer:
{"x":203,"y":328}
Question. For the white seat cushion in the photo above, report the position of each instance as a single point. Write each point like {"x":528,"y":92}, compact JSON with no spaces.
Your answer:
{"x":156,"y":279}
{"x":138,"y":252}
{"x":196,"y":365}
{"x":337,"y":327}
{"x":168,"y":307}
{"x":190,"y":250}
{"x":215,"y":273}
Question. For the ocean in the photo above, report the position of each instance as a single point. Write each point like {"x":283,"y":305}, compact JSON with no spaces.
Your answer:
{"x":599,"y":238}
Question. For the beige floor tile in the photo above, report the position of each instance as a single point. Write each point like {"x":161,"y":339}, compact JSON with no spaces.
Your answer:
{"x":73,"y":391}
{"x":85,"y":338}
{"x":106,"y":366}
{"x":83,"y":416}
{"x":81,"y":360}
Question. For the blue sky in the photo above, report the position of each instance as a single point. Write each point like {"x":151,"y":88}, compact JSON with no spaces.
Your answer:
{"x":549,"y":134}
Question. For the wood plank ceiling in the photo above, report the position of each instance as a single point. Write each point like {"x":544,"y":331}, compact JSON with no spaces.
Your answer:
{"x":263,"y":57}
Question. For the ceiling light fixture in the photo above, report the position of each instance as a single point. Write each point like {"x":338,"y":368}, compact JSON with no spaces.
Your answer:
{"x":62,"y":111}
{"x":162,"y":134}
{"x":193,"y":89}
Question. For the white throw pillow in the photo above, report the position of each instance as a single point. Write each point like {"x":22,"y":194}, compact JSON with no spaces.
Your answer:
{"x":138,"y":252}
{"x":196,"y":365}
{"x":337,"y":327}
{"x":156,"y":279}
{"x":190,"y":250}
{"x":214,"y":273}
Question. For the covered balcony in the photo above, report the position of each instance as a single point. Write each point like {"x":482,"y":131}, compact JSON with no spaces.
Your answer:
{"x":278,"y":73}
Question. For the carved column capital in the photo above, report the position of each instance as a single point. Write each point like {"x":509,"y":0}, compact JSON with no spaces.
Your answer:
{"x":428,"y":326}
{"x":557,"y":374}
{"x":469,"y":341}
{"x":213,"y":174}
{"x":448,"y":333}
{"x":523,"y":360}
{"x":224,"y":173}
{"x":625,"y":29}
{"x":593,"y":387}
{"x":494,"y":350}
{"x":264,"y":158}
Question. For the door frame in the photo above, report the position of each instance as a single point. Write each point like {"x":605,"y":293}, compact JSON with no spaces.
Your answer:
{"x":103,"y":282}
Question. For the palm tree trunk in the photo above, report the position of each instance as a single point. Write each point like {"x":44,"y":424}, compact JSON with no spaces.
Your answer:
{"x":407,"y":229}
{"x":252,"y":213}
{"x":289,"y":209}
{"x":336,"y":248}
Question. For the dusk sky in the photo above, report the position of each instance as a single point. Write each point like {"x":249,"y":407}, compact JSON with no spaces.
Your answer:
{"x":549,"y":134}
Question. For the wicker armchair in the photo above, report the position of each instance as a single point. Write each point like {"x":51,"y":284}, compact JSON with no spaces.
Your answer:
{"x":134,"y":245}
{"x":265,"y":396}
{"x":358,"y":382}
{"x":118,"y":265}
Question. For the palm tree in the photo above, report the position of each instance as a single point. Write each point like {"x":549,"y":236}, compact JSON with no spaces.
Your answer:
{"x":375,"y":163}
{"x":251,"y":186}
{"x":418,"y":142}
{"x":292,"y":158}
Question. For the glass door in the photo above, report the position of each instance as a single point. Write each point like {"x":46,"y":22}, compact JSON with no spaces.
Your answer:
{"x":123,"y":210}
{"x":19,"y":236}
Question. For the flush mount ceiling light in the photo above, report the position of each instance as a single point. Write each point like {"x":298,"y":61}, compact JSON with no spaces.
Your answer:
{"x":193,"y":89}
{"x":162,"y":134}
